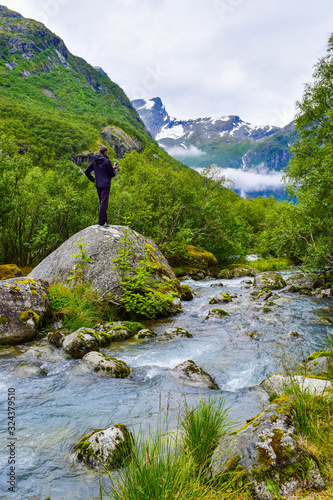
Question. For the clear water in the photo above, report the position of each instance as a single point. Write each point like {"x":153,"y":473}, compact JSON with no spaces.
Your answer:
{"x":54,"y":411}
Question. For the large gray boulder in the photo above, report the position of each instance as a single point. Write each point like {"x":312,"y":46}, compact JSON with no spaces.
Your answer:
{"x":24,"y":305}
{"x":266,"y":449}
{"x":270,"y":280}
{"x":120,"y":141}
{"x":188,"y":373}
{"x":102,"y":245}
{"x":300,"y":281}
{"x":109,"y":447}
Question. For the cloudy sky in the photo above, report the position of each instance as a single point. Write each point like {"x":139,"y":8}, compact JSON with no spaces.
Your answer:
{"x":203,"y":58}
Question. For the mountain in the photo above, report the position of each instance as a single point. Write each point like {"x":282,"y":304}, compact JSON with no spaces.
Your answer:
{"x":226,"y":141}
{"x":56,"y":103}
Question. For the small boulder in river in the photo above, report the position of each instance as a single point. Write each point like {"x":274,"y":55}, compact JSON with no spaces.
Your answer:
{"x":187,"y":293}
{"x":173,"y":333}
{"x":24,"y":305}
{"x":29,"y":370}
{"x":81,"y":342}
{"x":217,"y":314}
{"x":221,"y":298}
{"x":267,"y":451}
{"x":105,"y":366}
{"x":145,"y":333}
{"x":190,"y":374}
{"x":109,"y":447}
{"x":270,"y":280}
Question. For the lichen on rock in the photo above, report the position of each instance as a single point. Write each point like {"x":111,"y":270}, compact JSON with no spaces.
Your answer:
{"x":108,"y":447}
{"x":105,"y":366}
{"x":267,"y":448}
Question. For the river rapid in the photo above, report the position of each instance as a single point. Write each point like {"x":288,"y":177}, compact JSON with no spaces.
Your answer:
{"x":54,"y":411}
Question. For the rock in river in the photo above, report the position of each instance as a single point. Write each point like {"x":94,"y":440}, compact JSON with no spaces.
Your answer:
{"x":105,"y":366}
{"x":109,"y":447}
{"x":81,"y":342}
{"x":277,"y":384}
{"x":266,"y":449}
{"x":270,"y":280}
{"x":190,"y":374}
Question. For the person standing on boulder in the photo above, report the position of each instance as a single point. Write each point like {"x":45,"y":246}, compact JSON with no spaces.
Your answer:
{"x":104,"y":171}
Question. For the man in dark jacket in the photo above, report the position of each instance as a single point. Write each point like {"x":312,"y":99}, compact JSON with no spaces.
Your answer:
{"x":104,"y":172}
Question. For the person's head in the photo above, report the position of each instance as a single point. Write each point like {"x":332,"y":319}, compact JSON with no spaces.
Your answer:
{"x":103,"y":150}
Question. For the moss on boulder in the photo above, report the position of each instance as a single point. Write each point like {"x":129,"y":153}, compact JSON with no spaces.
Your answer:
{"x":24,"y":307}
{"x":109,"y":447}
{"x":104,"y":366}
{"x":10,"y":271}
{"x":270,"y":280}
{"x":267,"y":448}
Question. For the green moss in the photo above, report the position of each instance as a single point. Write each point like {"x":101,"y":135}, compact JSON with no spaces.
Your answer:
{"x":26,"y":315}
{"x":3,"y":320}
{"x":316,"y":355}
{"x":27,"y":280}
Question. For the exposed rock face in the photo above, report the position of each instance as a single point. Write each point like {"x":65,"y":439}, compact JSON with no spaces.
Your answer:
{"x":266,"y":449}
{"x":102,"y":246}
{"x":190,"y":374}
{"x":109,"y":447}
{"x":105,"y":366}
{"x":120,"y":141}
{"x":277,"y":384}
{"x":317,"y":366}
{"x":270,"y":280}
{"x":24,"y":305}
{"x":175,"y":332}
{"x":79,"y":343}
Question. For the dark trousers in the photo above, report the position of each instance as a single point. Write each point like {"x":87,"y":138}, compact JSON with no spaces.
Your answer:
{"x":103,"y":195}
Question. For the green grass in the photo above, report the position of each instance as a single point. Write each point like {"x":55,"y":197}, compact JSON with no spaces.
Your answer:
{"x":77,"y":306}
{"x":170,"y":464}
{"x":273,"y":264}
{"x":202,"y":427}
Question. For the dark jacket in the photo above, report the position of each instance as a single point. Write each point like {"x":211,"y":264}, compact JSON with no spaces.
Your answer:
{"x":103,"y":170}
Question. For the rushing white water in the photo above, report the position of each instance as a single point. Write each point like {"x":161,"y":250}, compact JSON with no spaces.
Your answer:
{"x":54,"y":411}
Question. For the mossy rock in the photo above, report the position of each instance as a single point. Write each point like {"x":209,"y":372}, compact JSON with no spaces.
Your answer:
{"x":186,"y":258}
{"x":189,"y":373}
{"x":10,"y":271}
{"x":221,"y":298}
{"x":269,"y":280}
{"x":105,"y":366}
{"x":174,"y":333}
{"x":267,"y":449}
{"x":79,"y":343}
{"x":109,"y":447}
{"x":217,"y":314}
{"x":186,"y":293}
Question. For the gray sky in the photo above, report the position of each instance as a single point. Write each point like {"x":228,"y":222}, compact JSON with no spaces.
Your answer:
{"x":219,"y":57}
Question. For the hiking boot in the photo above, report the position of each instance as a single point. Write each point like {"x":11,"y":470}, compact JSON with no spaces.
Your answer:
{"x":104,"y":225}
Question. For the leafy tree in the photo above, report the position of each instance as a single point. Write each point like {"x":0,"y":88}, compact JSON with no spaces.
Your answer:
{"x":310,"y":171}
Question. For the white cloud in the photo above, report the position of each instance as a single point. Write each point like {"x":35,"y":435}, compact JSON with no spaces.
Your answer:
{"x":252,"y":59}
{"x":180,"y":152}
{"x":251,"y":181}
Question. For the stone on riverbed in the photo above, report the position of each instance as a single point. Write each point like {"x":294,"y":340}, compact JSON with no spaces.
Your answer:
{"x":105,"y":366}
{"x":109,"y":447}
{"x":81,"y":342}
{"x":270,"y":280}
{"x":221,"y":298}
{"x":174,"y":333}
{"x":29,"y":370}
{"x":24,"y":305}
{"x":145,"y":333}
{"x":266,"y":450}
{"x":190,"y":374}
{"x":187,"y":293}
{"x":318,"y":362}
{"x":217,"y":314}
{"x":277,"y":384}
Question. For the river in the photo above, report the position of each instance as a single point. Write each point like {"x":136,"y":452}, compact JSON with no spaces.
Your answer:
{"x":55,"y":410}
